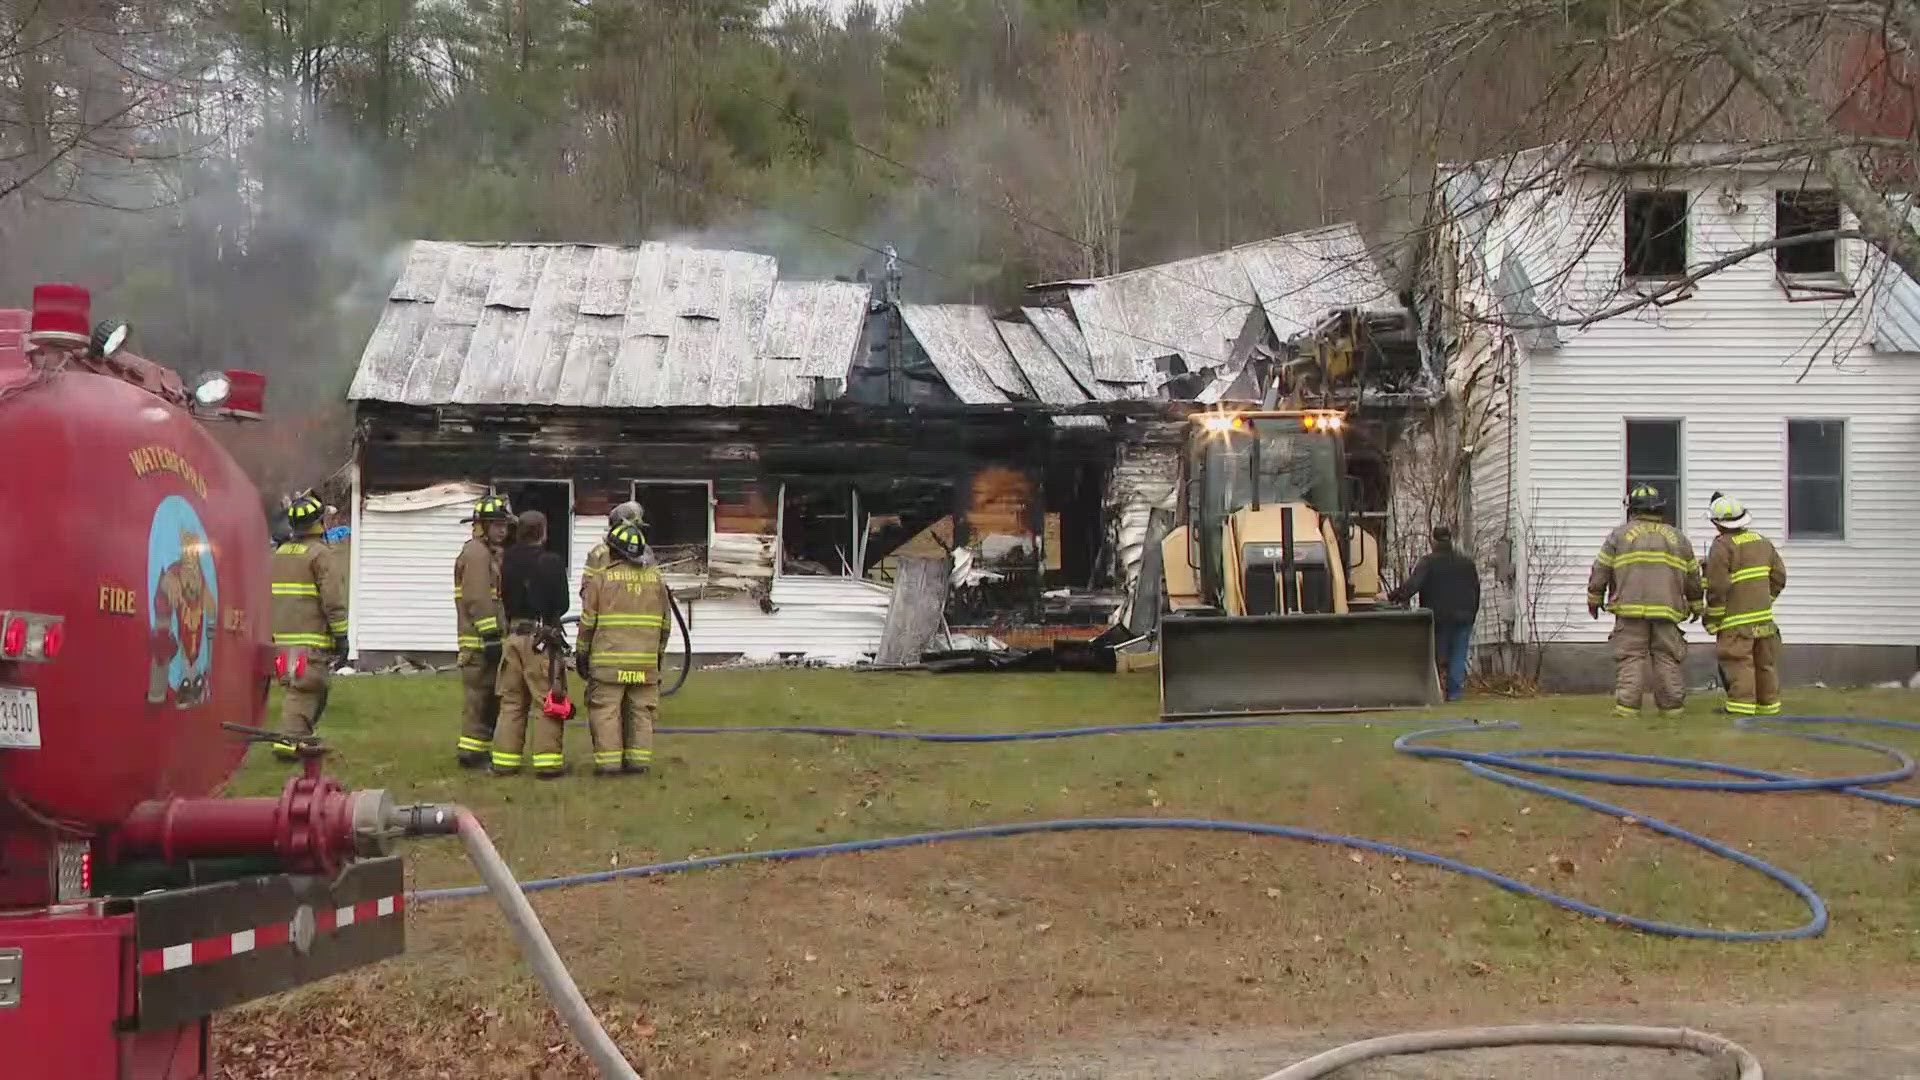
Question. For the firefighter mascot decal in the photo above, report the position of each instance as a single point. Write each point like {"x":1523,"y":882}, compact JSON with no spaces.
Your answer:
{"x":185,"y":593}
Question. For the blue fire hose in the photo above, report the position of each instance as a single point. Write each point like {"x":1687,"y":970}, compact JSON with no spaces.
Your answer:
{"x":1499,"y":767}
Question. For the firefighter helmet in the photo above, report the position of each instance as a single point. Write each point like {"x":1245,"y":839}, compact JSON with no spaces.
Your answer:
{"x":1646,"y":499}
{"x":627,"y":511}
{"x":305,"y":513}
{"x":492,"y":508}
{"x":1726,"y":512}
{"x":627,"y":541}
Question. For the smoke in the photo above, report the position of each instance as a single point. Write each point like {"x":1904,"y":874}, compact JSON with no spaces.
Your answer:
{"x":953,"y":218}
{"x":268,"y":251}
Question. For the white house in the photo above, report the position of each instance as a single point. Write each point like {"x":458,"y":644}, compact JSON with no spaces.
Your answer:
{"x":1789,"y":379}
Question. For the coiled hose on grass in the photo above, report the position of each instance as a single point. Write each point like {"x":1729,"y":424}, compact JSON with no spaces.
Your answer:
{"x":1489,"y":765}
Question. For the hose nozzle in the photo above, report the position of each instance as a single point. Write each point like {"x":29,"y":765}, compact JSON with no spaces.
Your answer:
{"x":424,"y":819}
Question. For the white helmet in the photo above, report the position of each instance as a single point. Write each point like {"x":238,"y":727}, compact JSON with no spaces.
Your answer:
{"x":1726,"y":512}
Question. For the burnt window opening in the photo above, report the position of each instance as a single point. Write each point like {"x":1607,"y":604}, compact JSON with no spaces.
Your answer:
{"x":679,"y":520}
{"x":816,"y":529}
{"x":1799,"y":213}
{"x":1656,"y":234}
{"x":553,"y":498}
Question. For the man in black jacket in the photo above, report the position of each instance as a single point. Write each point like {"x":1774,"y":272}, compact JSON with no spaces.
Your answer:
{"x":1448,"y":585}
{"x":533,"y":591}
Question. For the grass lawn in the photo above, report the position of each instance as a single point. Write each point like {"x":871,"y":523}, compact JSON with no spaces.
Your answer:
{"x":838,"y":966}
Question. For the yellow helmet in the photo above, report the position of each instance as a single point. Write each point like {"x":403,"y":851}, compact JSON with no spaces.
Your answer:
{"x":492,"y":508}
{"x":1726,"y":512}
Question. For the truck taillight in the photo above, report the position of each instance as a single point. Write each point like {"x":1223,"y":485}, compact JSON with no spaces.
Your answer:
{"x":31,"y":638}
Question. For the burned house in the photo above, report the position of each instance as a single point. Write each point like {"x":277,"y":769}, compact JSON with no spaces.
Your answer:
{"x":792,"y":440}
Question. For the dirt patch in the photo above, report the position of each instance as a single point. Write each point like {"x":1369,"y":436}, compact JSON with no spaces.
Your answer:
{"x":1800,"y":1041}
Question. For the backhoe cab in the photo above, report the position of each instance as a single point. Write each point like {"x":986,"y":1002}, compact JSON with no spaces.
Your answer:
{"x":1269,"y":603}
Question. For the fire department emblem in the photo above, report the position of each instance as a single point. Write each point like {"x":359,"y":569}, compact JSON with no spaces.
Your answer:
{"x":186,"y":594}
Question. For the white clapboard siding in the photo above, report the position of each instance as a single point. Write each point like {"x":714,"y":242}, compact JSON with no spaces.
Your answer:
{"x":831,"y":618}
{"x":403,"y":593}
{"x":1734,"y":363}
{"x":588,"y":530}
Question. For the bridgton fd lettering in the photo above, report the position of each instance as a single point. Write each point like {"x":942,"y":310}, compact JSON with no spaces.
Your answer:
{"x":156,"y":459}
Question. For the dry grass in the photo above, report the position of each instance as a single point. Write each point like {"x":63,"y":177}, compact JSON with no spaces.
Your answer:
{"x":838,"y":966}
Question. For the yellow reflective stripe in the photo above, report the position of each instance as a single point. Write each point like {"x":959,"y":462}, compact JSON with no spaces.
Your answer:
{"x":1742,"y":708}
{"x":458,"y":593}
{"x":1745,"y":537}
{"x":1659,"y":558}
{"x":468,"y":742}
{"x":625,"y":657}
{"x":506,"y":760}
{"x":318,"y":641}
{"x":1752,"y":573}
{"x":1622,"y":710}
{"x":1747,"y":619}
{"x":1649,"y":611}
{"x":548,"y":761}
{"x":338,"y":627}
{"x":486,"y":624}
{"x":639,"y":756}
{"x":1721,"y":610}
{"x":1772,"y":709}
{"x":589,"y":621}
{"x":632,"y":620}
{"x":606,"y":757}
{"x":471,"y":642}
{"x":1603,"y":559}
{"x":294,"y":588}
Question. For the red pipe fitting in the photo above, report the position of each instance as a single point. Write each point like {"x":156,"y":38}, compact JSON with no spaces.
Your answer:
{"x":316,"y":826}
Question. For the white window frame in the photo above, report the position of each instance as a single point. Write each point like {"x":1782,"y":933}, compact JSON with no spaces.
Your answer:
{"x":1786,"y":479}
{"x":1839,"y":275}
{"x":1678,"y":510}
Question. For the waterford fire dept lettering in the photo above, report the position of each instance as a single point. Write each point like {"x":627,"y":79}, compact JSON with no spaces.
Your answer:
{"x":186,"y":600}
{"x":148,"y":460}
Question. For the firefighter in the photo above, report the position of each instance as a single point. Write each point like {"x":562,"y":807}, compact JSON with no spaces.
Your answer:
{"x":623,"y":630}
{"x":476,"y":601}
{"x":533,"y":591}
{"x":309,"y":620}
{"x":597,"y":558}
{"x":1647,"y":577}
{"x":1744,"y":576}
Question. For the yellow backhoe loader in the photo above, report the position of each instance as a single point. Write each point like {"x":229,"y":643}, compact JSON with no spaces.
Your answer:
{"x":1269,"y":603}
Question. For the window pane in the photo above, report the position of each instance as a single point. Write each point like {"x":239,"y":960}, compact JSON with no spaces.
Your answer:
{"x":1653,"y":448}
{"x":1814,"y":507}
{"x":1656,"y":233}
{"x":1816,"y":447}
{"x":1799,"y":212}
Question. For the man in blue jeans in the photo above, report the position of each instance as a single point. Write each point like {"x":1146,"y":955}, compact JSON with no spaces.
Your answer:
{"x":1448,"y":585}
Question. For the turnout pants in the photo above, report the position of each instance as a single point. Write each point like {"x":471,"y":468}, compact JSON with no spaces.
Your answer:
{"x":1751,"y":670}
{"x":621,"y":716}
{"x":523,"y":683}
{"x":303,"y":699}
{"x":480,"y":705}
{"x":1647,"y":654}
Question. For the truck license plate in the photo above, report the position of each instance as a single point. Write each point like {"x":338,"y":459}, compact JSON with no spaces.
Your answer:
{"x":19,"y":718}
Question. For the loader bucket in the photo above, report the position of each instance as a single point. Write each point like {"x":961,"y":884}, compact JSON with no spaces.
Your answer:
{"x":1242,"y":665}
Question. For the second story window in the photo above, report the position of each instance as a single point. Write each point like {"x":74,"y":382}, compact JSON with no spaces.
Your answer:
{"x":1656,"y":234}
{"x":1797,"y":213}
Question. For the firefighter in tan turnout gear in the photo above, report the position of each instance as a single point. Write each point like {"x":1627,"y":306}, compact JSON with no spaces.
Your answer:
{"x":1647,"y":577}
{"x":623,"y":630}
{"x":533,"y":588}
{"x":476,"y":601}
{"x":309,"y":620}
{"x":1744,"y":576}
{"x":598,"y":558}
